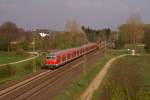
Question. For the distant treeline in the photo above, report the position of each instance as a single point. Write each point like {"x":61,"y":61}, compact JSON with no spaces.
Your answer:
{"x":126,"y":36}
{"x":94,"y":35}
{"x":134,"y":32}
{"x":14,"y":38}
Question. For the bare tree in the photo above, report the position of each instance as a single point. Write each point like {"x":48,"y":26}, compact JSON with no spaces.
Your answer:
{"x":75,"y":31}
{"x":135,"y":29}
{"x":73,"y":26}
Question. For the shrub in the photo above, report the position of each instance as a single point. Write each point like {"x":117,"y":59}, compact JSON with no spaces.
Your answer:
{"x":119,"y":44}
{"x":146,"y":40}
{"x":28,"y":66}
{"x":7,"y":71}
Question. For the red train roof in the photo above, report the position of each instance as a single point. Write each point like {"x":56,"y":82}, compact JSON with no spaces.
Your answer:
{"x":61,"y":52}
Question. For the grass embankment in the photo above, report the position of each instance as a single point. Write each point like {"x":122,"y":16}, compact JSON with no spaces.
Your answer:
{"x":73,"y":91}
{"x":16,"y":71}
{"x":128,"y":79}
{"x":139,"y":47}
{"x":7,"y":58}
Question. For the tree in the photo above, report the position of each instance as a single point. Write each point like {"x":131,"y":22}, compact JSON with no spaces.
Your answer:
{"x":73,"y":26}
{"x":46,"y":43}
{"x":9,"y":32}
{"x":63,"y":40}
{"x":132,"y":31}
{"x":94,"y":35}
{"x":108,"y":33}
{"x":72,"y":36}
{"x":24,"y":44}
{"x":135,"y":29}
{"x":146,"y":39}
{"x":77,"y":35}
{"x":120,"y":42}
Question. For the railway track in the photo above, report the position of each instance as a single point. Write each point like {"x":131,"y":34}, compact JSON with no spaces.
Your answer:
{"x":16,"y":90}
{"x":37,"y":86}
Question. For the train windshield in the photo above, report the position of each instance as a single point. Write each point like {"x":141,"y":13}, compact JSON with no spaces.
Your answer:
{"x":51,"y":56}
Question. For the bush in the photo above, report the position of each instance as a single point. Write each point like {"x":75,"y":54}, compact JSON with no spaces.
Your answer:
{"x":147,"y":48}
{"x":119,"y":44}
{"x":21,"y":52}
{"x":39,"y":63}
{"x":28,"y":66}
{"x":146,"y":40}
{"x":7,"y":71}
{"x":121,"y":41}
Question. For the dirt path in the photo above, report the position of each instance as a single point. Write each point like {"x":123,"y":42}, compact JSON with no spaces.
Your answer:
{"x":37,"y":55}
{"x":87,"y":94}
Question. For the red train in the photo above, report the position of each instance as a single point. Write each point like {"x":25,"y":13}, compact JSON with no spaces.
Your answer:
{"x":55,"y":59}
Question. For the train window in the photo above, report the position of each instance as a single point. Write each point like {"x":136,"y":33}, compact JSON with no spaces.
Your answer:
{"x":51,"y":57}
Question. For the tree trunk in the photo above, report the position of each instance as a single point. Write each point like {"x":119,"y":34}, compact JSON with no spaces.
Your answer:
{"x":8,"y":48}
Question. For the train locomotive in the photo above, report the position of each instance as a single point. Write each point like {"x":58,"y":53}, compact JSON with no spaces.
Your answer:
{"x":58,"y":58}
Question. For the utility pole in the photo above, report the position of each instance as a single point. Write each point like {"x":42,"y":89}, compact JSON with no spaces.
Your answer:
{"x":33,"y":44}
{"x":84,"y":64}
{"x":84,"y":59}
{"x":34,"y":60}
{"x":34,"y":32}
{"x":105,"y":43}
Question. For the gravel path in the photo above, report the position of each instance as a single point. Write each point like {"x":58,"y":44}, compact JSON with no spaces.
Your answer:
{"x":94,"y":85}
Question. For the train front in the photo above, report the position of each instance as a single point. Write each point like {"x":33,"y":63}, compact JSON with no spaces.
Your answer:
{"x":51,"y":61}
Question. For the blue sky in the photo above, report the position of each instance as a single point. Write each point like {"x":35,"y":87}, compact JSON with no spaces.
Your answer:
{"x":53,"y":14}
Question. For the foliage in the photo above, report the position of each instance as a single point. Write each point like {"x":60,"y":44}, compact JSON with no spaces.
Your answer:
{"x":7,"y":71}
{"x":24,"y":44}
{"x":132,"y":31}
{"x":72,"y":37}
{"x":19,"y":70}
{"x":62,"y":41}
{"x":120,"y":42}
{"x":146,"y":39}
{"x":95,"y":35}
{"x":9,"y":33}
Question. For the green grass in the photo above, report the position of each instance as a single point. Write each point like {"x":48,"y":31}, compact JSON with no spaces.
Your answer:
{"x":19,"y":70}
{"x":139,"y":47}
{"x":128,"y":79}
{"x":5,"y":58}
{"x":73,"y":91}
